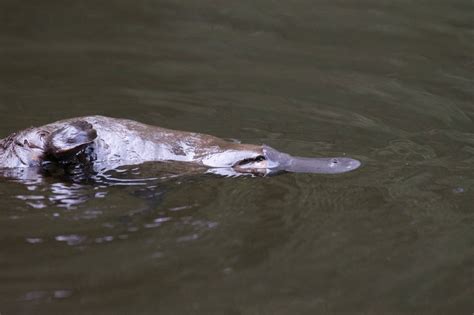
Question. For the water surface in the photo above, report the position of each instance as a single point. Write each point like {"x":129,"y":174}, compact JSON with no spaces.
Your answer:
{"x":387,"y":82}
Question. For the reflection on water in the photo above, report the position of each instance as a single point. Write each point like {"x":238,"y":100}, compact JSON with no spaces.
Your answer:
{"x":59,"y":187}
{"x":69,"y":196}
{"x":386,"y":82}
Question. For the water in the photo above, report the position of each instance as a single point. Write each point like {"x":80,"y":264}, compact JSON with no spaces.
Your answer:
{"x":387,"y":82}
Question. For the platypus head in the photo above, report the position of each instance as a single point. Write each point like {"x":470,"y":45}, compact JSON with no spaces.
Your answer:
{"x":265,"y":160}
{"x":284,"y":162}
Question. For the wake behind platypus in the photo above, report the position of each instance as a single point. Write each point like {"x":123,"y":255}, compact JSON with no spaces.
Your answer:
{"x":107,"y":143}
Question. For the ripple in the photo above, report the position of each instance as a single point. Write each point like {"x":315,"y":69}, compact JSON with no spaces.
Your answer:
{"x":62,"y":294}
{"x":104,"y":239}
{"x":187,"y":238}
{"x":72,"y":239}
{"x":34,"y":240}
{"x":42,"y":295}
{"x":156,"y":222}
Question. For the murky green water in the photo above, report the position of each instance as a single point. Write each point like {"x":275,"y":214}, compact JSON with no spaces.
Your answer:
{"x":388,"y":82}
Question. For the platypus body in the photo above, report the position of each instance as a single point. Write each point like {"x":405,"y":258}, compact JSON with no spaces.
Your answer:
{"x":108,"y":143}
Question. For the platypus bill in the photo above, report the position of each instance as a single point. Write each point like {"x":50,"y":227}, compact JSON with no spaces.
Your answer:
{"x":108,"y":143}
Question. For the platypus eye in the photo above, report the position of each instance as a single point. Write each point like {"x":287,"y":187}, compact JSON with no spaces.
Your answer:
{"x":252,"y":160}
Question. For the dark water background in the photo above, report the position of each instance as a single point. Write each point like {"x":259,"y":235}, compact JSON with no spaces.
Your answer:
{"x":388,"y":82}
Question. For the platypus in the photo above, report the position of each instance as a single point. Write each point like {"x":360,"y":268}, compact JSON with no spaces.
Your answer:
{"x":108,"y":143}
